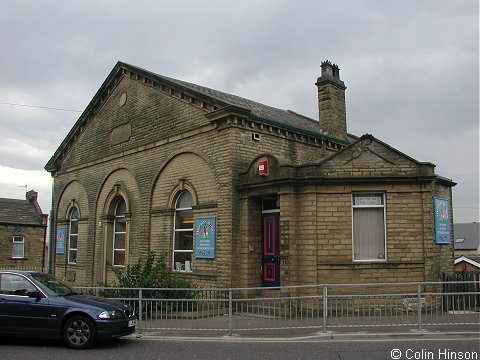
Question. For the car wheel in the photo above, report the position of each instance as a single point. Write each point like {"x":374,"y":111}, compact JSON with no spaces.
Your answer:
{"x":79,"y":332}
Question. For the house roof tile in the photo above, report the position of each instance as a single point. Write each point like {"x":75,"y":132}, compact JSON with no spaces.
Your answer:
{"x":19,"y":212}
{"x":469,"y":233}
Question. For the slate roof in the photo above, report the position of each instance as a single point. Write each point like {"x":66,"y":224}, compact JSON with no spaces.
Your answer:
{"x":286,"y":119}
{"x":19,"y":212}
{"x":470,"y":232}
{"x":275,"y":116}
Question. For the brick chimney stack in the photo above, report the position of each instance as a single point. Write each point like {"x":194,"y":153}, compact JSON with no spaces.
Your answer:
{"x":331,"y":101}
{"x":31,"y":196}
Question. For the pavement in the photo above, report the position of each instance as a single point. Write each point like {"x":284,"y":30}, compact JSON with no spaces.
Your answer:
{"x":302,"y":335}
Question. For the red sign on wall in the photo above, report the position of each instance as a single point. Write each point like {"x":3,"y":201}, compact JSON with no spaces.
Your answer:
{"x":263,"y":167}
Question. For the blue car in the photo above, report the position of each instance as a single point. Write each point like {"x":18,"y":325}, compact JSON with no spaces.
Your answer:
{"x":35,"y":304}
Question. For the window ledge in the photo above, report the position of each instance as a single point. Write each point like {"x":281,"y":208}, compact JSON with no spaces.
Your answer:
{"x":204,"y":273}
{"x":379,"y":263}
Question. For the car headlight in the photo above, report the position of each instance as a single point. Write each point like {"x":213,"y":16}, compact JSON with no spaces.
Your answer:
{"x":113,"y":314}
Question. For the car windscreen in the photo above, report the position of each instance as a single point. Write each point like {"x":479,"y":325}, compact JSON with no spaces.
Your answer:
{"x":52,"y":286}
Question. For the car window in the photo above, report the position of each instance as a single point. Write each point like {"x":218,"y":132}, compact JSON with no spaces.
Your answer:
{"x":52,"y":286}
{"x":12,"y":284}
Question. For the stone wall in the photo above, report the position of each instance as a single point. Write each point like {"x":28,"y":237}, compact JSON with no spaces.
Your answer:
{"x":170,"y":144}
{"x":316,"y":216}
{"x":147,"y":143}
{"x":33,"y":246}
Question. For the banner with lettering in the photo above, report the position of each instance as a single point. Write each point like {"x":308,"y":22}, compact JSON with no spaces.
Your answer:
{"x":205,"y":237}
{"x":60,"y":240}
{"x":442,"y":221}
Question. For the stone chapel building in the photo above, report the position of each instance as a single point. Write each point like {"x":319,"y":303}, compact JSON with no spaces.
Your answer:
{"x":240,"y":194}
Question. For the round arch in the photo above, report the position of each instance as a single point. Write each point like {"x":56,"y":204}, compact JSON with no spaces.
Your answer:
{"x":185,"y":170}
{"x":72,"y":195}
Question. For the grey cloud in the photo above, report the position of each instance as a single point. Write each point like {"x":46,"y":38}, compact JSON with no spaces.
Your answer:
{"x":411,"y":67}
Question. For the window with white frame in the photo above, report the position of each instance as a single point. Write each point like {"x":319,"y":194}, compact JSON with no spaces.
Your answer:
{"x":18,"y":248}
{"x":183,"y":233}
{"x":119,"y":234}
{"x":73,"y":237}
{"x":368,"y":223}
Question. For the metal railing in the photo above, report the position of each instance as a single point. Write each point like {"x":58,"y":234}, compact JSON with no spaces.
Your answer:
{"x":323,"y":307}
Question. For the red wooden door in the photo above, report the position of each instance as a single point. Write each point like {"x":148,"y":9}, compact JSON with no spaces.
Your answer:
{"x":271,"y":249}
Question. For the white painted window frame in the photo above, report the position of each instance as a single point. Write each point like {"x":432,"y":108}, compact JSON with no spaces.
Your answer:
{"x":384,"y":207}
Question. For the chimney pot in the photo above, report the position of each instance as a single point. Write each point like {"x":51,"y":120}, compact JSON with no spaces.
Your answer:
{"x":336,"y":71}
{"x":327,"y":68}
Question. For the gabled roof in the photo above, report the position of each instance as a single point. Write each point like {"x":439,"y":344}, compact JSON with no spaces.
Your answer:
{"x":470,"y":259}
{"x":19,"y":212}
{"x":260,"y":111}
{"x":372,"y":138}
{"x":469,"y":233}
{"x":425,"y":169}
{"x":286,"y":119}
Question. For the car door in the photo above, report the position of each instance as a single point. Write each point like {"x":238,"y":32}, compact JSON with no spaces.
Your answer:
{"x":19,"y":312}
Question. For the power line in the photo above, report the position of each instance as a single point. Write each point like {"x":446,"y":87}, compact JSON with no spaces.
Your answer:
{"x":38,"y":107}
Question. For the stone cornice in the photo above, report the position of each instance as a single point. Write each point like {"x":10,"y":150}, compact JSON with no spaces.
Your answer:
{"x":225,"y":120}
{"x":334,"y":181}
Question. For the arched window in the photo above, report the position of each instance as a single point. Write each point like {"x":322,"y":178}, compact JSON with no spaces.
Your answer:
{"x":183,"y":232}
{"x":73,"y":237}
{"x":119,"y":234}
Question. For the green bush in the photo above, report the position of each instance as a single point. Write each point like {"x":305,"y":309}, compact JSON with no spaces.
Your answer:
{"x":149,"y":273}
{"x":153,"y":273}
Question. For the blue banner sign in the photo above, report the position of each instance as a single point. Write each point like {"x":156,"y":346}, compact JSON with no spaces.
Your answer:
{"x":442,"y":221}
{"x":205,"y":236}
{"x":60,"y":240}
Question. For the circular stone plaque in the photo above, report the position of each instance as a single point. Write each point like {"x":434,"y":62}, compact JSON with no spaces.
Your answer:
{"x":123,"y":99}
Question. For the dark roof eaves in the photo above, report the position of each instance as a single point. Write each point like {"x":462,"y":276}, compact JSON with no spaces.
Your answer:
{"x":298,"y":129}
{"x":23,"y":223}
{"x":174,"y":83}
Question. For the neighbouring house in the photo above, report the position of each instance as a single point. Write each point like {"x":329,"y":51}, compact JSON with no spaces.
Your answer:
{"x":467,"y":263}
{"x":23,"y":229}
{"x":467,"y":247}
{"x":238,"y":193}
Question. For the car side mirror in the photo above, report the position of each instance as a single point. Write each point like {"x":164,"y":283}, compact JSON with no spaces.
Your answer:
{"x":34,"y":294}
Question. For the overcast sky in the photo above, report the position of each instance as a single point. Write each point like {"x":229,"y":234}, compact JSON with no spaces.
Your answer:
{"x":411,"y":68}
